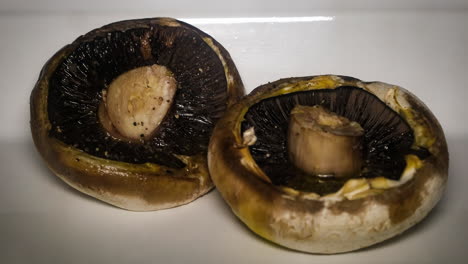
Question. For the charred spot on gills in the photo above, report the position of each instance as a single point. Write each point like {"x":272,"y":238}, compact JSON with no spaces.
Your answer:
{"x":324,"y":144}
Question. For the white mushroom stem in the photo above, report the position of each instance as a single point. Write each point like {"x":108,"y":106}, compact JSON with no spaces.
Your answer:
{"x":137,"y":101}
{"x":323,"y":143}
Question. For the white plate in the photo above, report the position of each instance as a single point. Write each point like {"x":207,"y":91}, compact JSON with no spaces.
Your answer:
{"x":42,"y":220}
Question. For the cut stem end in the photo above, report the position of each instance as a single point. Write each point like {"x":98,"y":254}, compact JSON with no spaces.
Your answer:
{"x":323,"y":143}
{"x":137,"y":101}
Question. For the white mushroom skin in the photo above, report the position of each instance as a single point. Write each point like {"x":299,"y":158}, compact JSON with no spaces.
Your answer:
{"x":137,"y":101}
{"x":324,"y":144}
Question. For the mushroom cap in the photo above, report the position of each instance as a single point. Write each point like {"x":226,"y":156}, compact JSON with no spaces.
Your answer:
{"x":138,"y":187}
{"x":363,"y":212}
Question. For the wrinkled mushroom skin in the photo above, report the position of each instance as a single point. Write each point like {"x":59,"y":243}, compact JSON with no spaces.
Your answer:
{"x":138,"y":187}
{"x":305,"y":222}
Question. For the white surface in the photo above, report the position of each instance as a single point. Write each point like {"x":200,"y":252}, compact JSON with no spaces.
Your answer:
{"x":212,"y":8}
{"x":44,"y":221}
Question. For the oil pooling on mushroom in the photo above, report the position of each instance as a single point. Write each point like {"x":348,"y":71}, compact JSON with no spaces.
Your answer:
{"x":324,"y":144}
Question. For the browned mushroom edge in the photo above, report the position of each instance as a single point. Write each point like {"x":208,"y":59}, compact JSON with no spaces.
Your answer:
{"x":139,"y":187}
{"x":332,"y":223}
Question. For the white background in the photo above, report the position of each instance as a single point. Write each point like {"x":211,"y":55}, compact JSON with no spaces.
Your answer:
{"x":420,"y":45}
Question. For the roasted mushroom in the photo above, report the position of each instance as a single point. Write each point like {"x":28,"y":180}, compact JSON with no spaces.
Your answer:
{"x":125,"y":112}
{"x":329,"y":164}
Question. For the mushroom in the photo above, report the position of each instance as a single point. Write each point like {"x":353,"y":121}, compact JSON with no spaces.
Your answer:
{"x":337,"y":164}
{"x":125,"y":112}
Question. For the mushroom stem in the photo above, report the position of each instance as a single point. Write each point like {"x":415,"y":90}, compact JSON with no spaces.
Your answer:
{"x":137,"y":101}
{"x":323,"y":143}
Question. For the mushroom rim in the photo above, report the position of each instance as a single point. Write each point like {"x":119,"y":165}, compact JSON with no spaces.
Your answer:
{"x":61,"y":159}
